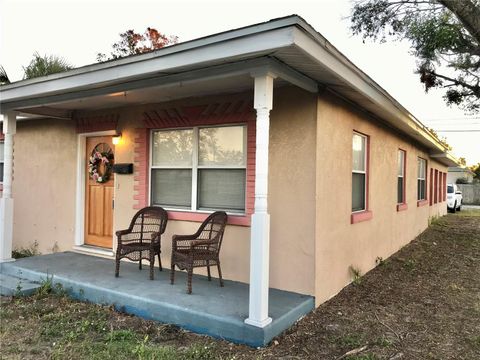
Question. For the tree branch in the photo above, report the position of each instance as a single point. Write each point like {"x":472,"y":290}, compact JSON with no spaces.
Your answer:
{"x":474,"y":88}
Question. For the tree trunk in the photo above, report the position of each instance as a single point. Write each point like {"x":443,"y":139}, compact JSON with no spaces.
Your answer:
{"x":468,"y":13}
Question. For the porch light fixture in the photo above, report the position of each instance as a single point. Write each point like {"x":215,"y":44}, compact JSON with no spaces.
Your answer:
{"x":116,"y":139}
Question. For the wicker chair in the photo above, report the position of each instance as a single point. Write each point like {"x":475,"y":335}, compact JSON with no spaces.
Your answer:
{"x":201,"y":249}
{"x":142,"y":239}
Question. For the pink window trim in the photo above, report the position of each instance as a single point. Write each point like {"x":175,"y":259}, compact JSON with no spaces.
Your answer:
{"x":402,"y":207}
{"x":234,"y":112}
{"x":361,"y":216}
{"x":241,"y":220}
{"x":365,"y":214}
{"x":422,"y":202}
{"x":444,"y":186}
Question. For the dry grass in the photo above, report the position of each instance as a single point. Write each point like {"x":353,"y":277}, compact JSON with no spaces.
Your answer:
{"x":422,"y":303}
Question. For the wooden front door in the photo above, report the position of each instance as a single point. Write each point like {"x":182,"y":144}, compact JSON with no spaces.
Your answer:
{"x":99,"y":192}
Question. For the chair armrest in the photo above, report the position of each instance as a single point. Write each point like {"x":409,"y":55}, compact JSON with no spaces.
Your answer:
{"x":122,"y":232}
{"x":195,"y":243}
{"x":177,"y":238}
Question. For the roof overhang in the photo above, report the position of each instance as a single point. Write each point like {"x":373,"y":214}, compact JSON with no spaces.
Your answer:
{"x":288,"y":47}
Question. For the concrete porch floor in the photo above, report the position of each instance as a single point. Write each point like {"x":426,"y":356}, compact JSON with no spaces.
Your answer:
{"x":211,"y":309}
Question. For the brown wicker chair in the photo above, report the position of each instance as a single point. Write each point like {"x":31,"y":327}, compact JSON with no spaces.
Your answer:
{"x":201,"y":249}
{"x":142,"y":239}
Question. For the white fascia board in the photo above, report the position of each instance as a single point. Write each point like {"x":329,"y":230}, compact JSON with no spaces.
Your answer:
{"x":183,"y":46}
{"x":214,"y":53}
{"x":446,"y":159}
{"x":341,"y":67}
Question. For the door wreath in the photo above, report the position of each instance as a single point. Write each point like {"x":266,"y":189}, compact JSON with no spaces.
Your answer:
{"x":101,"y":155}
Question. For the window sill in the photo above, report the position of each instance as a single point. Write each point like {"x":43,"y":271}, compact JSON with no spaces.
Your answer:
{"x":422,"y":203}
{"x":402,"y":207}
{"x":240,"y":220}
{"x":361,"y":216}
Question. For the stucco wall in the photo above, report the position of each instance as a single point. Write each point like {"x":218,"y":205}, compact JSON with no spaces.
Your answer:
{"x":44,"y":184}
{"x":340,"y":244}
{"x":45,"y":176}
{"x":291,"y":194}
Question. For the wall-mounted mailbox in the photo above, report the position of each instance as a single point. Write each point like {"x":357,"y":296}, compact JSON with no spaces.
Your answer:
{"x":123,"y":169}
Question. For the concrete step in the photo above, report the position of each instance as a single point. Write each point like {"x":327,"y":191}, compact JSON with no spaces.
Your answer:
{"x":15,"y":286}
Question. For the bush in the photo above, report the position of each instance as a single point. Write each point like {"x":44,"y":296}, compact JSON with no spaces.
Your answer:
{"x":462,"y":180}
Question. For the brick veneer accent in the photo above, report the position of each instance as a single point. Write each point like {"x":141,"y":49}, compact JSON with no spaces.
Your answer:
{"x":234,"y":112}
{"x":140,"y":164}
{"x":96,"y":123}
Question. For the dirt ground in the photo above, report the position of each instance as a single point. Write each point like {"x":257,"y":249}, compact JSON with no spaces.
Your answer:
{"x":422,"y":303}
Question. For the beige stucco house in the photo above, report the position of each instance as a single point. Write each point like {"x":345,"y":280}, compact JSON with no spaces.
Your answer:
{"x":319,"y":168}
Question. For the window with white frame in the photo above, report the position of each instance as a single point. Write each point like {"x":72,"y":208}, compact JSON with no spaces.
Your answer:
{"x":401,"y":177}
{"x":2,"y":154}
{"x":359,"y":172}
{"x":200,"y":168}
{"x":422,"y":179}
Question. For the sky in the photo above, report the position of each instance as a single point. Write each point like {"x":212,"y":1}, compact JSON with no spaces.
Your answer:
{"x":79,"y":29}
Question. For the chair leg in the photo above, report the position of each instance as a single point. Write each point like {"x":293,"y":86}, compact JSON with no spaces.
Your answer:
{"x":160,"y":262}
{"x":140,"y":262}
{"x":189,"y":279}
{"x":172,"y":273}
{"x":152,"y":263}
{"x":117,"y":263}
{"x":208,"y":271}
{"x":220,"y":274}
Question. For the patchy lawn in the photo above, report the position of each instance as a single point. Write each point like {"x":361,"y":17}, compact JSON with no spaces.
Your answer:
{"x":422,"y":303}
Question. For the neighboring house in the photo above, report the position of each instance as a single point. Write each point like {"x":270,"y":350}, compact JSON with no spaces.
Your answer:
{"x":319,"y":167}
{"x":458,"y":172}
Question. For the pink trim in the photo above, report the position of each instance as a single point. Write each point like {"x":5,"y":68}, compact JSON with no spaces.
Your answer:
{"x":361,"y":216}
{"x":431,"y":186}
{"x":435,"y":188}
{"x":444,"y":186}
{"x":140,"y":164}
{"x":422,"y":202}
{"x":230,"y":112}
{"x":96,"y":123}
{"x":404,"y":185}
{"x":241,"y":220}
{"x":367,"y":182}
{"x":402,"y":207}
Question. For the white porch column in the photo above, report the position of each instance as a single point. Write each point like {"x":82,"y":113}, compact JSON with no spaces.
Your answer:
{"x":260,"y":228}
{"x":6,"y":202}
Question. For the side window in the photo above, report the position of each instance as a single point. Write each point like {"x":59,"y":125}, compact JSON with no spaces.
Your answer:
{"x":422,"y":179}
{"x":359,"y":172}
{"x":401,"y":177}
